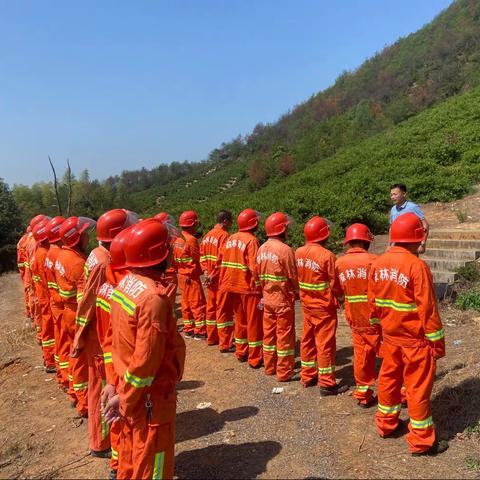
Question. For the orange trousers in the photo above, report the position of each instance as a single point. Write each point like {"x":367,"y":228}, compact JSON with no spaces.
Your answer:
{"x":248,"y":327}
{"x":147,"y":445}
{"x":47,"y":330}
{"x":193,"y":305}
{"x":172,"y":280}
{"x":115,"y":433}
{"x":26,"y":295}
{"x":77,"y":367}
{"x":279,"y":341}
{"x":98,"y":429}
{"x":414,"y":367}
{"x":211,"y":315}
{"x":57,"y":311}
{"x":225,"y":324}
{"x":318,"y":347}
{"x":365,"y":346}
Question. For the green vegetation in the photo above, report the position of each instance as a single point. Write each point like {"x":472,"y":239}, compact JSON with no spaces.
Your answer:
{"x":410,"y":113}
{"x":472,"y":463}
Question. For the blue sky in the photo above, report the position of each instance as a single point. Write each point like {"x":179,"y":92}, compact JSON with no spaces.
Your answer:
{"x":116,"y":85}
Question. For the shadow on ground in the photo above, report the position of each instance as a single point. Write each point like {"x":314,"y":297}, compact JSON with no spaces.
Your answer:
{"x":190,"y":384}
{"x":457,"y":408}
{"x":198,"y":423}
{"x":246,"y":460}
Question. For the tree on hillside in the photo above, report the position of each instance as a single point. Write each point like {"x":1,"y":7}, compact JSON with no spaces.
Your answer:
{"x":10,"y":228}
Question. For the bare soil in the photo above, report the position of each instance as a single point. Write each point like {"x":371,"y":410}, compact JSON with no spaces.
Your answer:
{"x":244,"y":431}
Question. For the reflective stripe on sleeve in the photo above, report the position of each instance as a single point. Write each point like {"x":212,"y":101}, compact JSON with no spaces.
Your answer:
{"x":82,"y":321}
{"x":103,"y":304}
{"x":434,"y":336}
{"x":124,"y":302}
{"x":67,"y":293}
{"x":204,"y":258}
{"x":107,"y":357}
{"x":137,"y":382}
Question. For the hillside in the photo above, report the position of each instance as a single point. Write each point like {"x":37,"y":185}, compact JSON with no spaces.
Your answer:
{"x":336,"y":153}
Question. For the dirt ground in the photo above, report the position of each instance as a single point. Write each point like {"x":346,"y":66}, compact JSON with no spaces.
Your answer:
{"x":245,"y":431}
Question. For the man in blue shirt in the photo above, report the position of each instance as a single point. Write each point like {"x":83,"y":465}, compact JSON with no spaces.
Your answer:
{"x":401,"y":205}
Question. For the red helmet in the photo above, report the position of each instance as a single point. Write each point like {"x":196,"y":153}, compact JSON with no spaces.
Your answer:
{"x":165,"y":217}
{"x":40,"y":231}
{"x":276,"y":224}
{"x":407,"y":228}
{"x":316,"y":229}
{"x":53,"y":229}
{"x":117,"y":249}
{"x":29,"y":229}
{"x":113,"y":222}
{"x":72,"y":229}
{"x":148,"y":244}
{"x":188,"y":219}
{"x":248,"y":220}
{"x":38,"y":219}
{"x":358,"y":231}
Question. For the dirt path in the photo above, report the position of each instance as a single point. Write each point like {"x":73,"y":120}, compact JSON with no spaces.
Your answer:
{"x":246,"y":431}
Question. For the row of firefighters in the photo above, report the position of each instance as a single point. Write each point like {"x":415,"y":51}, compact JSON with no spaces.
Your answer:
{"x":107,"y":327}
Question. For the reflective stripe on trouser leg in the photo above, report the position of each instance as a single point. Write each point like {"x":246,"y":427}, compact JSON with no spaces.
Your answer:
{"x":364,"y":365}
{"x":325,"y":327}
{"x":269,"y":341}
{"x":187,"y":314}
{"x":254,"y":328}
{"x":240,"y":334}
{"x":225,"y":324}
{"x":308,"y":351}
{"x":211,"y":316}
{"x":390,"y":381}
{"x":285,"y":324}
{"x":79,"y":372}
{"x":197,"y":303}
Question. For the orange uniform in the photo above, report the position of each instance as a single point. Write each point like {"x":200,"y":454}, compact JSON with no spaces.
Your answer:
{"x":319,"y":290}
{"x":240,"y":294}
{"x":21,"y":260}
{"x":353,"y":271}
{"x":186,"y":261}
{"x":86,"y":331}
{"x":30,"y":247}
{"x":68,"y":271}
{"x":210,"y":248}
{"x":149,"y":356}
{"x":105,"y":367}
{"x":43,"y":312}
{"x":278,"y":277}
{"x":402,"y":299}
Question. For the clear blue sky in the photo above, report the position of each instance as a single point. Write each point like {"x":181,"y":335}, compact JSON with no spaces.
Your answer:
{"x":115,"y":85}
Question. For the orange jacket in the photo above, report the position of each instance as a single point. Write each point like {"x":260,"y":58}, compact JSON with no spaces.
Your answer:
{"x":104,"y":327}
{"x":319,"y":286}
{"x":238,"y":264}
{"x":277,"y":273}
{"x":186,"y":256}
{"x":22,"y":254}
{"x":212,"y":243}
{"x":402,"y":299}
{"x":148,"y":351}
{"x":30,"y":246}
{"x":68,"y":270}
{"x":38,"y":274}
{"x":353,"y":270}
{"x":91,"y":280}
{"x":50,"y":261}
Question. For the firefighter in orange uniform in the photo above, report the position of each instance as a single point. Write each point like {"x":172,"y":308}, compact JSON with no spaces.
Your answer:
{"x":148,"y":357}
{"x":353,"y":271}
{"x":210,"y":247}
{"x":171,"y":273}
{"x":114,"y":272}
{"x":320,"y":292}
{"x":56,"y":307}
{"x":21,"y":260}
{"x":86,"y":345}
{"x":43,"y":312}
{"x":186,"y":255}
{"x":278,"y":276}
{"x":75,"y":234}
{"x":240,"y":292}
{"x":402,"y":300}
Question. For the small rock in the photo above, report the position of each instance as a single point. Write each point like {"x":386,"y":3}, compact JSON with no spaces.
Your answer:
{"x":456,"y":343}
{"x":48,"y":379}
{"x":203,"y":405}
{"x":277,"y":390}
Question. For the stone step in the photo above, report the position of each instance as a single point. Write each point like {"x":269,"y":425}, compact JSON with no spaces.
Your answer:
{"x":444,"y":277}
{"x":452,"y":244}
{"x":443,"y":264}
{"x":455,"y":234}
{"x":467,"y":255}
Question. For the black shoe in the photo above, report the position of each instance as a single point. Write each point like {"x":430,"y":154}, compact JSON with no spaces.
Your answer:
{"x":257,"y":366}
{"x":50,"y":369}
{"x":200,"y":336}
{"x":101,"y":453}
{"x":371,"y":403}
{"x":242,"y":359}
{"x":112,"y":475}
{"x":228,"y":350}
{"x":294,"y":378}
{"x":438,"y":447}
{"x":188,"y":334}
{"x":336,"y":390}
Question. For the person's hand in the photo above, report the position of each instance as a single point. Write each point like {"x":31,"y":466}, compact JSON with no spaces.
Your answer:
{"x":111,"y":411}
{"x":107,"y":393}
{"x":422,"y":248}
{"x":208,"y":280}
{"x":78,"y":346}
